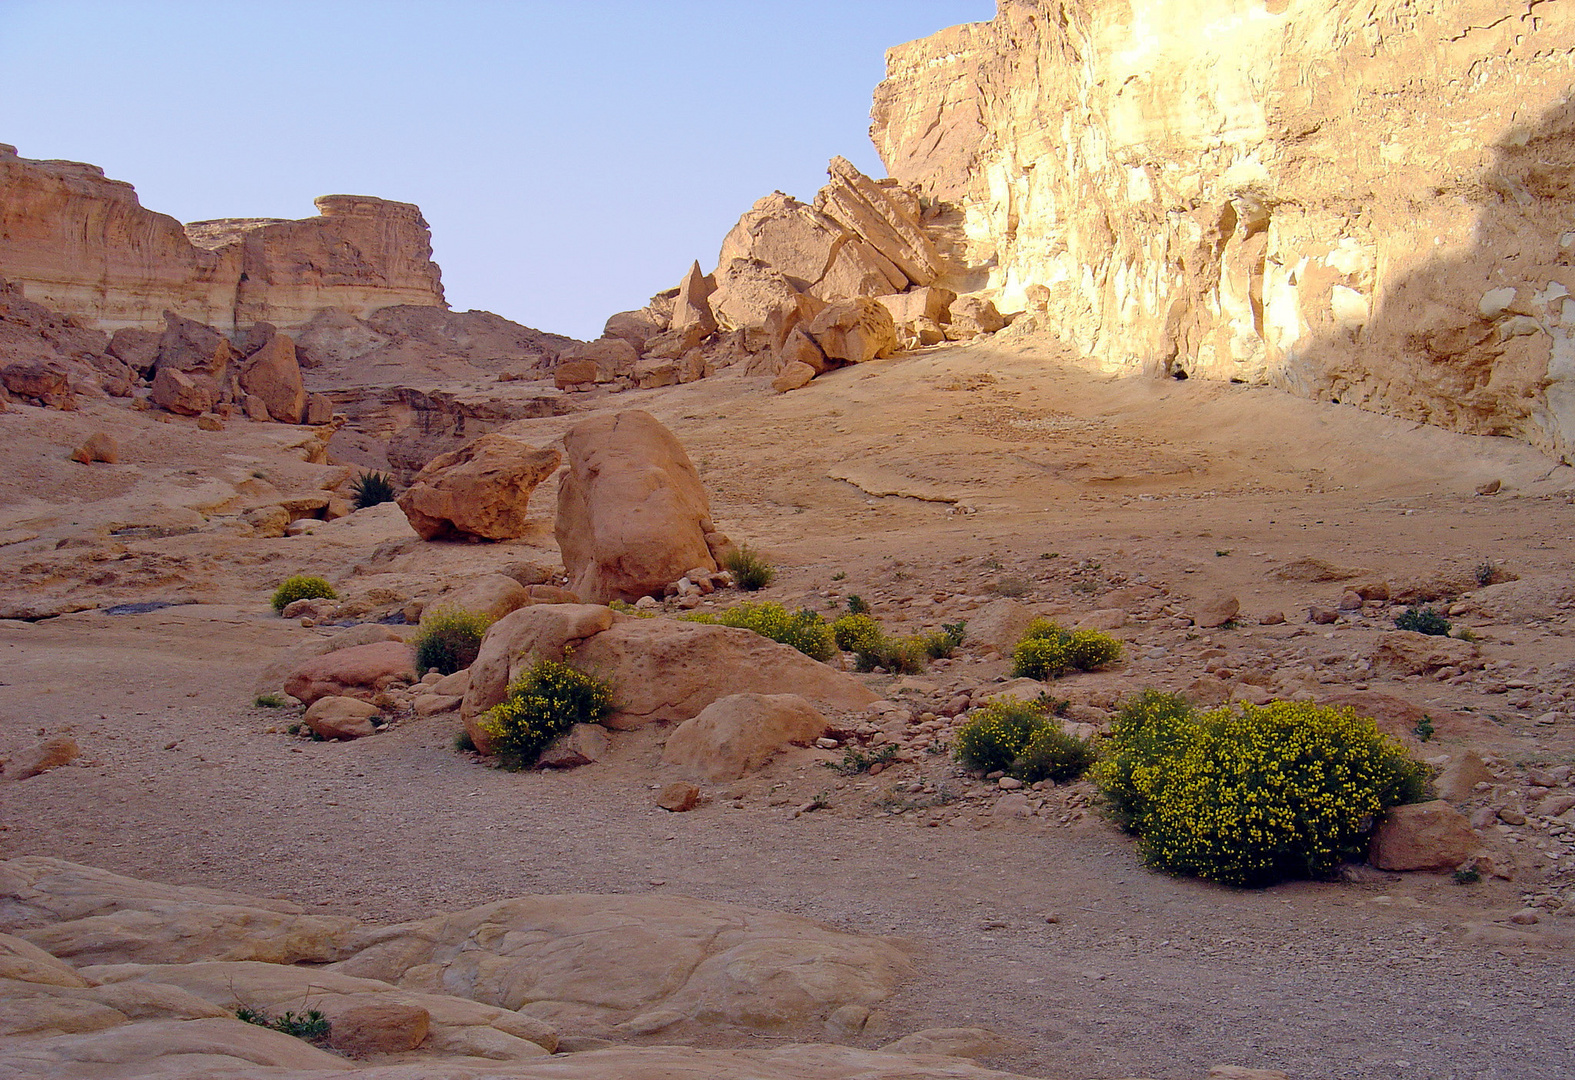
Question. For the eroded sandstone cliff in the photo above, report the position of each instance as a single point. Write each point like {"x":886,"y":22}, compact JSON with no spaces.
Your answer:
{"x":81,"y":243}
{"x":1364,"y":201}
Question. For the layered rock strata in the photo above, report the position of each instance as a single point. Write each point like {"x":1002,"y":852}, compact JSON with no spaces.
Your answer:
{"x":1362,"y":202}
{"x":81,"y":243}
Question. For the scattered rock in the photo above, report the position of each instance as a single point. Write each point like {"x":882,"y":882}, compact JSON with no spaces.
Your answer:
{"x":40,"y":757}
{"x":379,"y":1029}
{"x":1422,"y":836}
{"x":341,"y":717}
{"x":273,"y":375}
{"x":999,"y":625}
{"x":359,"y":671}
{"x":582,"y":744}
{"x":1406,"y":652}
{"x":1215,"y":610}
{"x":678,"y":797}
{"x":99,"y":446}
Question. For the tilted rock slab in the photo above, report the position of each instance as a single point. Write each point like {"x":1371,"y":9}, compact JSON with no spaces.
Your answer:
{"x":481,"y":490}
{"x":632,"y":513}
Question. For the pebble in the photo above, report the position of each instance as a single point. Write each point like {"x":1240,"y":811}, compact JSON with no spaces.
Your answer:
{"x":1009,"y":783}
{"x":1510,"y":816}
{"x":1526,"y":917}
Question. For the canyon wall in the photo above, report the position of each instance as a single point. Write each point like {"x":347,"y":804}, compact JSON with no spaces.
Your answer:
{"x":1367,"y":201}
{"x":81,"y":243}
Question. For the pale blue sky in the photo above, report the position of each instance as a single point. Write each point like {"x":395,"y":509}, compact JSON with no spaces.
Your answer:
{"x":571,"y":158}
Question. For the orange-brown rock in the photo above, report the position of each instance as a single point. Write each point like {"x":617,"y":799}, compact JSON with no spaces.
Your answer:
{"x":99,"y":446}
{"x":813,"y":252}
{"x":83,"y":244}
{"x":739,"y":733}
{"x":273,"y":375}
{"x":189,"y":395}
{"x":359,"y":672}
{"x":854,"y":330}
{"x":692,"y":308}
{"x":481,"y":490}
{"x":1423,"y":836}
{"x":632,"y":513}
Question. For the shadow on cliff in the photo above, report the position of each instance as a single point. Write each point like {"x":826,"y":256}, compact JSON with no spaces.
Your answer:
{"x":1481,"y":340}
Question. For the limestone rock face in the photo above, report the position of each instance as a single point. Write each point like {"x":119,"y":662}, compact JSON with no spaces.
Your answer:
{"x":1225,"y":189}
{"x":481,"y":490}
{"x":632,"y":514}
{"x":83,"y":244}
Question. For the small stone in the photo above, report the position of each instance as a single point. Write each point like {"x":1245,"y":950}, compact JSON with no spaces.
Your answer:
{"x":1350,"y":601}
{"x":825,"y":742}
{"x":1540,"y":778}
{"x":1510,"y":816}
{"x":1273,"y":618}
{"x":1322,"y":616}
{"x":679,"y":797}
{"x":1490,"y":488}
{"x":1216,"y":610}
{"x":1526,"y":917}
{"x":1008,"y":783}
{"x":340,"y":717}
{"x":210,"y":422}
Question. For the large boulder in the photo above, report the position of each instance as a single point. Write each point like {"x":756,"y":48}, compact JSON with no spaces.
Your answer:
{"x":481,"y":490}
{"x":492,"y":595}
{"x":882,"y":218}
{"x":1423,"y":836}
{"x":667,"y":670}
{"x":814,"y":253}
{"x":854,"y":330}
{"x":614,"y":355}
{"x":183,"y":393}
{"x":1406,"y":652}
{"x":273,"y":374}
{"x":748,"y":291}
{"x":632,"y":514}
{"x":194,"y":348}
{"x":359,"y":672}
{"x":739,"y":733}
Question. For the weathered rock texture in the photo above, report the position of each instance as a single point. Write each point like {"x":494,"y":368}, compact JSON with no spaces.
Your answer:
{"x":82,"y":243}
{"x":478,"y":491}
{"x":632,"y":513}
{"x":1365,"y":202}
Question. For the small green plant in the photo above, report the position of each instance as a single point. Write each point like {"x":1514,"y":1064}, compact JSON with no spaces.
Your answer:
{"x":908,"y":655}
{"x":857,"y":605}
{"x":542,"y":704}
{"x":1424,"y":728}
{"x":1053,"y":754}
{"x":371,"y":489}
{"x":1465,"y":633}
{"x":464,"y":744}
{"x":269,"y":700}
{"x":449,"y":640}
{"x":805,"y":630}
{"x":943,"y":642}
{"x":1423,"y":621}
{"x":301,"y":587}
{"x":855,"y":761}
{"x":1486,"y":573}
{"x":1250,"y":795}
{"x":995,"y":736}
{"x":1467,"y":875}
{"x":750,"y":572}
{"x":311,"y":1026}
{"x":623,"y":607}
{"x":1046,"y":651}
{"x":856,"y":633}
{"x":840,"y":575}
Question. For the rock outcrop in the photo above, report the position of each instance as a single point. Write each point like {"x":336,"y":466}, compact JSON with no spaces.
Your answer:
{"x":83,"y":244}
{"x":1365,"y":203}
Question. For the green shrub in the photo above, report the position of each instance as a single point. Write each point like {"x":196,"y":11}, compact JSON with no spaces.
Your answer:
{"x":1046,"y":651}
{"x":856,"y":633}
{"x":270,"y":700}
{"x":804,"y":629}
{"x":301,"y":587}
{"x":1423,"y":621}
{"x":995,"y":736}
{"x":449,"y":639}
{"x":370,"y":489}
{"x":907,"y":655}
{"x":1251,"y":795}
{"x":750,"y":572}
{"x":1053,"y":754}
{"x":943,"y":642}
{"x":542,"y":704}
{"x":857,"y":605}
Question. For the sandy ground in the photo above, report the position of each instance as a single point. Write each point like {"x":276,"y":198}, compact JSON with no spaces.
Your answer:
{"x":1011,"y":470}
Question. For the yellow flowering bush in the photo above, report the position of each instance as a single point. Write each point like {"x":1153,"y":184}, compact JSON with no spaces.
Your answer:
{"x":804,"y":630}
{"x":1022,"y":739}
{"x":1250,"y":795}
{"x":449,"y":640}
{"x":856,"y":633}
{"x":302,"y":587}
{"x":542,"y":704}
{"x":1046,"y":651}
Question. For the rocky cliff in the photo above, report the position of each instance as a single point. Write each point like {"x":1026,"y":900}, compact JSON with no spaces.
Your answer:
{"x":79,"y":242}
{"x":1362,"y":201}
